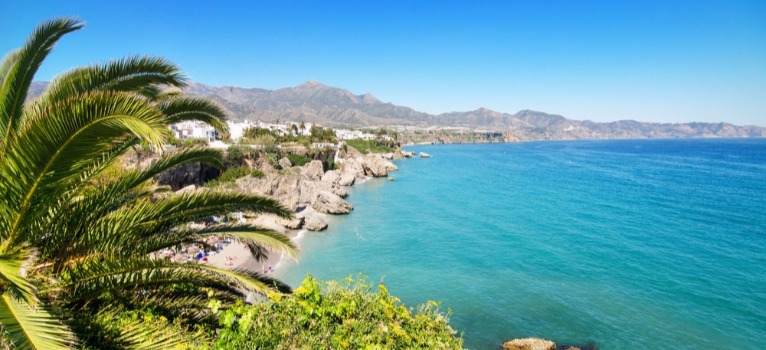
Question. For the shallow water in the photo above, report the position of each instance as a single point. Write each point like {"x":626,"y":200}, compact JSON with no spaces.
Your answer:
{"x":622,"y":244}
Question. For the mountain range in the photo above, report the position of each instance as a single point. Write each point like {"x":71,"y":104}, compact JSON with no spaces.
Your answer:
{"x":335,"y":107}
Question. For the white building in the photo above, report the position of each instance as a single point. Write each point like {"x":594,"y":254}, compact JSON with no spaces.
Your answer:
{"x":194,"y":129}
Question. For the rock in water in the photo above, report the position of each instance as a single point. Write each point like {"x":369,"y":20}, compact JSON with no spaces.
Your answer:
{"x":426,"y":155}
{"x":313,"y":170}
{"x":315,"y":223}
{"x":329,"y":203}
{"x":293,"y":224}
{"x":529,"y":344}
{"x":346,"y":179}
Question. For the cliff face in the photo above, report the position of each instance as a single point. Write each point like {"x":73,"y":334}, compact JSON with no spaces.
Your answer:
{"x":312,"y":193}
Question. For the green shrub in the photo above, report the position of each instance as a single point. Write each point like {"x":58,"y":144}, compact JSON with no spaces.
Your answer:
{"x":257,"y":173}
{"x":343,"y":315}
{"x":233,"y":174}
{"x":235,"y":155}
{"x":191,"y":142}
{"x":298,"y":160}
{"x":374,"y":146}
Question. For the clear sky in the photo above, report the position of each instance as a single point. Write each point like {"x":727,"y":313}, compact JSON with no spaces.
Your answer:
{"x":662,"y":61}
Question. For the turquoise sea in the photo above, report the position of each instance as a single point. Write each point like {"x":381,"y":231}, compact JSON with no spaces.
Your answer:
{"x":626,"y":244}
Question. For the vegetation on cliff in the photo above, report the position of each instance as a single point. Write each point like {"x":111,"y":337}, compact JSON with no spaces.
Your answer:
{"x":343,"y":315}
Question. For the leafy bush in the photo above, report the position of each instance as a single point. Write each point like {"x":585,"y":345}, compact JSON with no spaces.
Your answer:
{"x":235,"y":155}
{"x":232,"y":174}
{"x":191,"y":142}
{"x":374,"y":146}
{"x":298,"y":160}
{"x":345,"y":315}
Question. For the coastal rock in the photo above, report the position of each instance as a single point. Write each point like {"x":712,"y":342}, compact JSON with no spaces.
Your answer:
{"x":313,"y":170}
{"x":389,"y":155}
{"x":375,"y":166}
{"x":293,"y":224}
{"x":529,"y":344}
{"x":328,"y":202}
{"x":290,"y":190}
{"x":263,"y":164}
{"x":346,"y":179}
{"x":285,"y":163}
{"x":269,"y":221}
{"x":354,"y":166}
{"x":332,"y":177}
{"x":315,"y":223}
{"x":401,"y":154}
{"x":424,"y":155}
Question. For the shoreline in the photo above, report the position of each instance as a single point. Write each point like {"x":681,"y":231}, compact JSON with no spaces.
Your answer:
{"x":237,"y":256}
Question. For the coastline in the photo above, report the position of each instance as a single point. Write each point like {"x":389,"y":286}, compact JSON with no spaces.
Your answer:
{"x":300,"y":188}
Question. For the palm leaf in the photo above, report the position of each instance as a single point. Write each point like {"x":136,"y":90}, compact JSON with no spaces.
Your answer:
{"x":28,"y":328}
{"x":178,"y":109}
{"x":29,"y":58}
{"x":51,"y":153}
{"x":11,"y":263}
{"x":128,"y":74}
{"x":247,"y":234}
{"x":9,"y":60}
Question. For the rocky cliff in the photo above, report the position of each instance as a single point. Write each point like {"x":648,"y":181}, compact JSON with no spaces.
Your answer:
{"x":313,"y":193}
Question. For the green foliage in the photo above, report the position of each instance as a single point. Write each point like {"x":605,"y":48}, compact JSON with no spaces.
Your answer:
{"x":374,"y":146}
{"x":323,"y":135}
{"x":77,"y":237}
{"x":298,"y":160}
{"x":193,"y":141}
{"x":343,"y":315}
{"x":256,"y":132}
{"x":236,"y":155}
{"x":233,"y":174}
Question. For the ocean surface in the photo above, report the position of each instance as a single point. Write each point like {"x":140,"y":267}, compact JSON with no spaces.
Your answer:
{"x":624,"y":244}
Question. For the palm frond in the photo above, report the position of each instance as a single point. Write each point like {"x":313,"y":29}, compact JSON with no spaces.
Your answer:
{"x":52,"y":152}
{"x":11,"y":263}
{"x":250,"y":280}
{"x":19,"y":76}
{"x":28,"y":328}
{"x":132,"y":74}
{"x":146,"y":218}
{"x":9,"y":60}
{"x":182,"y":108}
{"x":89,"y":279}
{"x":247,"y":234}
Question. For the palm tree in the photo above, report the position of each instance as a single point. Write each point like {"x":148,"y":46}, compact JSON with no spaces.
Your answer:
{"x":74,"y":242}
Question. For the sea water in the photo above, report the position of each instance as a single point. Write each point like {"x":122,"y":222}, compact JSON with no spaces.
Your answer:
{"x":624,"y":244}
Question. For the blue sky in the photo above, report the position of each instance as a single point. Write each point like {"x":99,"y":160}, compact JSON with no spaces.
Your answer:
{"x":660,"y":61}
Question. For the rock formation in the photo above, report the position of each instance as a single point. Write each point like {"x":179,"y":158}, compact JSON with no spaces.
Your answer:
{"x":313,"y":170}
{"x":330,"y":203}
{"x":315,"y":223}
{"x":529,"y":344}
{"x":284,"y":163}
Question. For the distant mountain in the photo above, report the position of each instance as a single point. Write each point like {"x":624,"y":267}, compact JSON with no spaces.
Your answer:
{"x":319,"y":103}
{"x":312,"y":102}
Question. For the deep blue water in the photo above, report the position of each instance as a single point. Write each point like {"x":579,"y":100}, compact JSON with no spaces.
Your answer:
{"x":623,"y":244}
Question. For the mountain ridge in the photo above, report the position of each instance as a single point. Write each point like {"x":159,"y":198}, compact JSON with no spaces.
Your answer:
{"x":316,"y":102}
